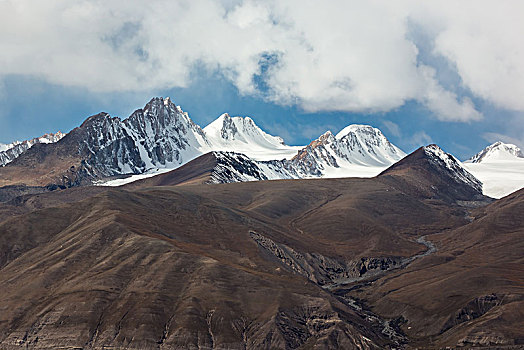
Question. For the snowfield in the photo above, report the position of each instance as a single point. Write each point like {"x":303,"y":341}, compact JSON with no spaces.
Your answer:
{"x":500,"y":168}
{"x":499,"y":177}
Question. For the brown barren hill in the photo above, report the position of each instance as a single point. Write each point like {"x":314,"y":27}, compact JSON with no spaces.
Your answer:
{"x":288,"y":264}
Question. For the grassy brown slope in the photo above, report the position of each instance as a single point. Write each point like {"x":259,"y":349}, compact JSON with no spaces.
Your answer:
{"x":351,"y":215}
{"x":172,"y":269}
{"x":471,"y":291}
{"x":175,"y":266}
{"x":186,"y":251}
{"x":198,"y":171}
{"x":25,"y":203}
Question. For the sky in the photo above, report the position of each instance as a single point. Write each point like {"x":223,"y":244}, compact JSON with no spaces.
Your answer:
{"x":445,"y":72}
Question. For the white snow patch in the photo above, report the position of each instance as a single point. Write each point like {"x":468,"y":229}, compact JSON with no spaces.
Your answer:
{"x":133,"y":178}
{"x":354,"y":170}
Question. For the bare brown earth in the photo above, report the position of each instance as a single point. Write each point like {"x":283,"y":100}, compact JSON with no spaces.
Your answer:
{"x":264,"y":265}
{"x":470,"y":292}
{"x":197,"y":171}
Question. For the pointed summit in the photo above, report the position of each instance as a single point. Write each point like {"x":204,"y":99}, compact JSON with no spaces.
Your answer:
{"x":497,"y":151}
{"x":358,"y":129}
{"x":326,"y":138}
{"x":241,"y":134}
{"x":433,"y":173}
{"x":500,"y":167}
{"x":242,"y":129}
{"x":364,"y":144}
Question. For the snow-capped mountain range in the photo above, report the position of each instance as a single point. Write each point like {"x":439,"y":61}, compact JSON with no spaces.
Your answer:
{"x":8,"y":152}
{"x":161,"y":137}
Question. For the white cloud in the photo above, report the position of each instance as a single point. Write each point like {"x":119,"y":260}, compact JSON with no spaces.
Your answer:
{"x":331,"y":55}
{"x":445,"y":104}
{"x":420,"y":139}
{"x":392,"y":128}
{"x":483,"y":39}
{"x":494,"y":137}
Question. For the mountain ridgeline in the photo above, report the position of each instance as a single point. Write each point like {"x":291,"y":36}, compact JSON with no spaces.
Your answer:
{"x":11,"y":151}
{"x":162,"y":136}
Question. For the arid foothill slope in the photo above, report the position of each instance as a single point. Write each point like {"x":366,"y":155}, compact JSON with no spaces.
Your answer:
{"x":470,"y":292}
{"x":173,"y":267}
{"x":175,"y":262}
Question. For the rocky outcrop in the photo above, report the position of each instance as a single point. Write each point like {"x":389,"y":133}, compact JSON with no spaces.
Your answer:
{"x":299,"y":325}
{"x":473,"y":310}
{"x":324,"y":270}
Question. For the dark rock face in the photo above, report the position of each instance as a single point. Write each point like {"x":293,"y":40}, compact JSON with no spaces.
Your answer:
{"x":235,"y":167}
{"x":299,"y":325}
{"x":473,"y":310}
{"x":450,"y":167}
{"x":157,"y":135}
{"x":377,"y":264}
{"x":324,"y":270}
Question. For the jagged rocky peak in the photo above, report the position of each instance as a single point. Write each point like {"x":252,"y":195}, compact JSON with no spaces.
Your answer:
{"x":497,"y":151}
{"x":156,"y":136}
{"x":324,"y":139}
{"x":443,"y":160}
{"x":158,"y":114}
{"x":164,"y":134}
{"x":317,"y":148}
{"x":96,"y":119}
{"x":50,"y":137}
{"x":46,"y":138}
